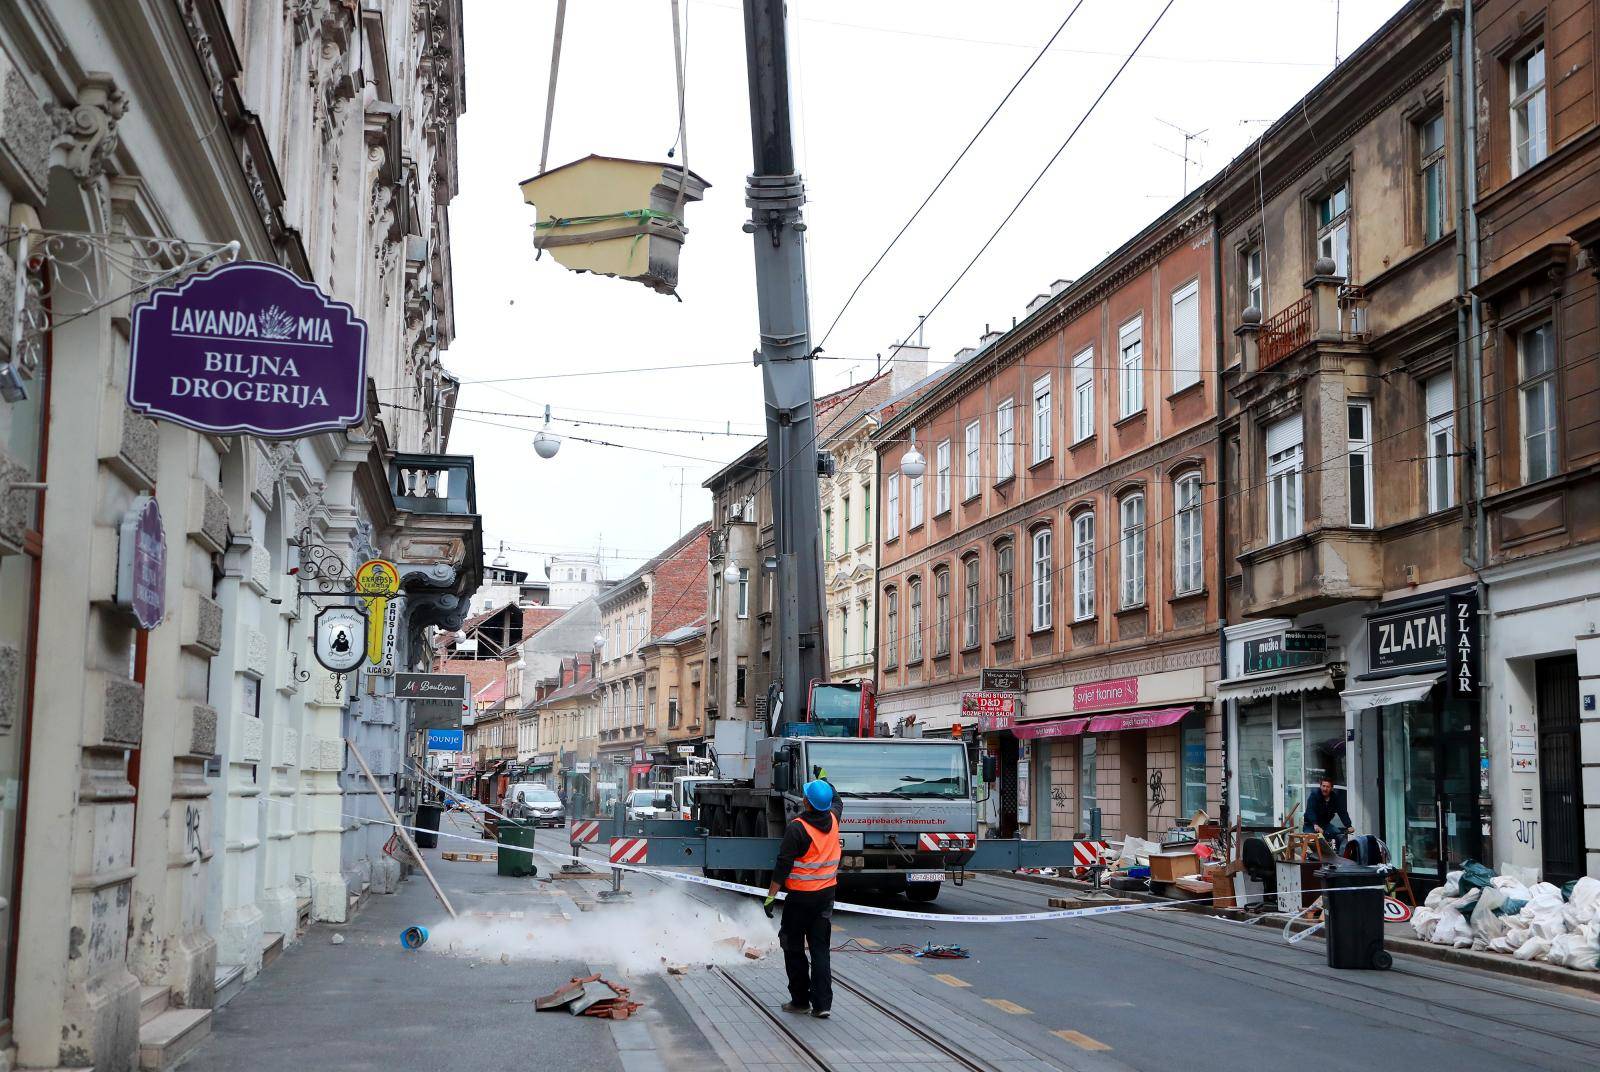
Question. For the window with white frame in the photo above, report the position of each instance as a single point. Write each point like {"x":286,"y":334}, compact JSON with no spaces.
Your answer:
{"x":1083,"y":559}
{"x":1431,"y":176}
{"x":1186,"y":336}
{"x":866,"y":513}
{"x":844,"y":633}
{"x":1188,"y":535}
{"x":1006,"y":597}
{"x":844,"y":527}
{"x":914,"y":630}
{"x":744,"y":592}
{"x":941,"y":477}
{"x":1132,"y":559}
{"x":1005,"y":423}
{"x":1284,"y":463}
{"x":1439,"y":394}
{"x":1041,"y":418}
{"x":1254,"y":295}
{"x":941,"y":611}
{"x":1043,"y":581}
{"x":918,"y":501}
{"x":1130,"y":368}
{"x":1358,"y":462}
{"x":1529,"y":142}
{"x":973,"y":456}
{"x":1083,"y":396}
{"x":969,"y":610}
{"x":716,"y":595}
{"x":891,"y":517}
{"x":891,"y":624}
{"x":1536,"y":385}
{"x":1333,"y":228}
{"x":866,"y":630}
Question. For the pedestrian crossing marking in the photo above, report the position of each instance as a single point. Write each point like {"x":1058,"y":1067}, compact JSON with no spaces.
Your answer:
{"x":1080,"y":1040}
{"x":951,"y":980}
{"x":1007,"y":1006}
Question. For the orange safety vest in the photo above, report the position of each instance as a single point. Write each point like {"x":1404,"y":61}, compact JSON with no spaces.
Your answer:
{"x":818,"y":867}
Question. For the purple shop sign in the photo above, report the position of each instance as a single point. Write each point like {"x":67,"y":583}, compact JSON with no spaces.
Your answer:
{"x":248,"y":347}
{"x":142,"y":563}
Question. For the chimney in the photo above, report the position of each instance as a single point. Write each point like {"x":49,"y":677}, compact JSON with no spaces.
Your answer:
{"x":1059,"y":285}
{"x":989,"y":339}
{"x":907,"y":365}
{"x":1039,"y":301}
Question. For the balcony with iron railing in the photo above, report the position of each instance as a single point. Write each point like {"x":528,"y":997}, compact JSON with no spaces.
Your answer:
{"x":1331,"y":311}
{"x":433,"y":483}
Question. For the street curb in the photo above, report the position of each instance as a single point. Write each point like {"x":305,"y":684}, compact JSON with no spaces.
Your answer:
{"x":1495,"y":963}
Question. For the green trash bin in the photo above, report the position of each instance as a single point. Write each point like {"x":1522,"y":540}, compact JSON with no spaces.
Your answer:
{"x":515,"y":834}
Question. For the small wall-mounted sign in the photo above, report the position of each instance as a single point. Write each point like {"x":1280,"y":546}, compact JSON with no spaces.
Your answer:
{"x":339,"y":638}
{"x":142,"y":563}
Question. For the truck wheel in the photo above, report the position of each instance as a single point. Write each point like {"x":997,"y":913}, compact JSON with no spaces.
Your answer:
{"x":923,"y":891}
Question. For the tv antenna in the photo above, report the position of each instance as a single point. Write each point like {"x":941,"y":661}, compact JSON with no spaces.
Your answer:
{"x":1189,"y":138}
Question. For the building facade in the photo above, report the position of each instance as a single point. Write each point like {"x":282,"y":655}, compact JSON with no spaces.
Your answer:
{"x":849,"y":539}
{"x":1061,"y":530}
{"x":187,"y":785}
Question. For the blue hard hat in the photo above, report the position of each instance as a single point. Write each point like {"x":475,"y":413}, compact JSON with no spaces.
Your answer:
{"x":819,"y":795}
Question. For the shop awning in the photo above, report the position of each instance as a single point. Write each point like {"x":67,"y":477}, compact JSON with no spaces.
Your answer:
{"x":1260,"y":686}
{"x":1138,"y":720}
{"x":1059,"y":727}
{"x":1391,"y":690}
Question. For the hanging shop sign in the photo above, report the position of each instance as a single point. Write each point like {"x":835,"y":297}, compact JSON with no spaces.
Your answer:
{"x":440,"y":687}
{"x":248,"y":347}
{"x":1000,"y":679}
{"x":1116,"y":692}
{"x":991,"y":704}
{"x":377,"y":583}
{"x":445,"y":741}
{"x":142,"y":563}
{"x":1461,"y":652}
{"x":1407,"y":638}
{"x":339,"y":638}
{"x":1284,"y":651}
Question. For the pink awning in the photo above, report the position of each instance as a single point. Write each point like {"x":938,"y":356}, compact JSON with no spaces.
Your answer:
{"x":1065,"y":727}
{"x":1137,"y":720}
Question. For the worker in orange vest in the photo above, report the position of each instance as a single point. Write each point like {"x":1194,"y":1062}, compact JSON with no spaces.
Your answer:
{"x":808,"y":868}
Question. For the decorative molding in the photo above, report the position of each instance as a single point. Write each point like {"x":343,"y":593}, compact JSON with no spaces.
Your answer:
{"x":86,"y":131}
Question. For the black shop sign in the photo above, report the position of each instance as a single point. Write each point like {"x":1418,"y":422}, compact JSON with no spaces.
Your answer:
{"x":1408,"y":638}
{"x":1463,"y":657}
{"x":1284,"y":651}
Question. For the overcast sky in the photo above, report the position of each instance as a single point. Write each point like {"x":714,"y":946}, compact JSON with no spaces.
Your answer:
{"x":885,"y":94}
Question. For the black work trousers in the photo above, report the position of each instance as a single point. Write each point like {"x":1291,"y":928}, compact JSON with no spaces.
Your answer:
{"x":808,"y":921}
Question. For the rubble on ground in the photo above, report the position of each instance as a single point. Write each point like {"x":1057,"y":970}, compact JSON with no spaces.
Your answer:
{"x":1477,"y":909}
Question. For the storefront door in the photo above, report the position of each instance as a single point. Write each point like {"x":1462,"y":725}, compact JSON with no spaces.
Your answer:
{"x":1560,"y":788}
{"x":1430,"y":786}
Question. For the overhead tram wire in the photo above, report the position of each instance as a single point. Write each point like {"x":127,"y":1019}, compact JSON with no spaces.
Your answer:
{"x":947,"y":172}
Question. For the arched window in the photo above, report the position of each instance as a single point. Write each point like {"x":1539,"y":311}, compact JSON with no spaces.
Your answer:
{"x":891,"y":623}
{"x":1083,"y":566}
{"x":969,"y":609}
{"x":1132,"y":556}
{"x":1006,"y":582}
{"x":914,"y":627}
{"x":1043,"y":579}
{"x":1188,"y":535}
{"x":941,"y":613}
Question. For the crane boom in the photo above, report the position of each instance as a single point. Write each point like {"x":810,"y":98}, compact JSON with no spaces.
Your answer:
{"x":775,"y":193}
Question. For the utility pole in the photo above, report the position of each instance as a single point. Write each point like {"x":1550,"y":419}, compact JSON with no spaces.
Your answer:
{"x":774,"y":193}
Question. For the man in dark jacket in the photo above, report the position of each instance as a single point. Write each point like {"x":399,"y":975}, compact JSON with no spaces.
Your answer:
{"x":1326,"y":808}
{"x":808,"y":868}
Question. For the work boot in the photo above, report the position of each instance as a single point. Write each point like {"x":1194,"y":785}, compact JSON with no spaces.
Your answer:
{"x":821,"y":1014}
{"x":793,"y":1006}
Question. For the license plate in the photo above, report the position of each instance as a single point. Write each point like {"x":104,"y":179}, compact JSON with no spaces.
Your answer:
{"x":925,"y":876}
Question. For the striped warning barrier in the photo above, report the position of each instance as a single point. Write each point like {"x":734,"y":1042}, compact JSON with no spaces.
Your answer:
{"x":947,"y":842}
{"x":1085,"y":854}
{"x":629,"y":850}
{"x":585,"y":831}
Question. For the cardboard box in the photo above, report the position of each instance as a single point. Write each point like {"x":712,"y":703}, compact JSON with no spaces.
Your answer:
{"x":1221,"y":887}
{"x":1171,"y":866}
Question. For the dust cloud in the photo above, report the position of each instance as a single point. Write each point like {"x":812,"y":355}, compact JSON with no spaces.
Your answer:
{"x":650,"y":932}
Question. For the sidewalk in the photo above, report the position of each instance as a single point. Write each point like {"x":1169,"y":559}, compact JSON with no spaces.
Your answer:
{"x":369,"y":1004}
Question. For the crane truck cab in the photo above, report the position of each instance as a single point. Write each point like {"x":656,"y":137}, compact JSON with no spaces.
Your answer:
{"x":907,"y":810}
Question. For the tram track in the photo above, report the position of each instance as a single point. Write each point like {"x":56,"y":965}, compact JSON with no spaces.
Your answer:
{"x":1125,"y":926}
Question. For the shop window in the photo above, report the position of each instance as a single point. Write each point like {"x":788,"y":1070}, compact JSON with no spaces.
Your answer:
{"x":1257,"y":785}
{"x":1088,"y":772}
{"x":1006,"y":598}
{"x":1193,"y":757}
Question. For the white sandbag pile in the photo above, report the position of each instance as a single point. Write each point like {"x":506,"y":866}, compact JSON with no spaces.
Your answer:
{"x":1476,"y":909}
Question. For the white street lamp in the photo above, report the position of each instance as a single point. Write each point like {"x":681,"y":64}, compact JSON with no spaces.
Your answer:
{"x":731,"y":574}
{"x":545,"y":444}
{"x":912,"y":463}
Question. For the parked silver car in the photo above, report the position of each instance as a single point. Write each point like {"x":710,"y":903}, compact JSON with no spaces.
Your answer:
{"x":536,"y":803}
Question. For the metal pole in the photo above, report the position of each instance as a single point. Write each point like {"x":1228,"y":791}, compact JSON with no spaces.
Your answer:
{"x":550,"y":94}
{"x":405,"y":835}
{"x":775,"y":193}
